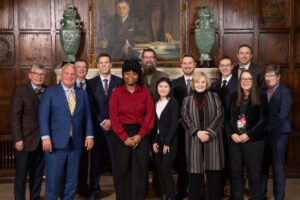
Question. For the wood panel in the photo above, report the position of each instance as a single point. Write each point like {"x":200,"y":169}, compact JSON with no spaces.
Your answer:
{"x":294,"y":143}
{"x":35,"y":48}
{"x":273,"y":48}
{"x":7,"y":49}
{"x":232,"y":41}
{"x":4,"y":116}
{"x":34,"y":14}
{"x":7,"y":84}
{"x":6,"y":14}
{"x":297,"y":14}
{"x":238,"y":14}
{"x":284,"y":76}
{"x":275,"y":14}
{"x":297,"y":47}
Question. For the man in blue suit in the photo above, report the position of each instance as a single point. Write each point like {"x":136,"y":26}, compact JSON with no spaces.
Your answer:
{"x":99,"y":90}
{"x":64,"y":112}
{"x":278,"y":127}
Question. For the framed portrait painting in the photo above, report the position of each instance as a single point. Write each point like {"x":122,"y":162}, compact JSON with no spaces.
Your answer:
{"x":124,"y":28}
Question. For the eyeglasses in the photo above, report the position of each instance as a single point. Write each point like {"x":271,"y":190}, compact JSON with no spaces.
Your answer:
{"x":227,"y":65}
{"x":37,"y":74}
{"x":270,"y":76}
{"x":246,"y":79}
{"x":148,"y":57}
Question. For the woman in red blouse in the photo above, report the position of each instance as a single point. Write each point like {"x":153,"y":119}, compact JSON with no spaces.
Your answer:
{"x":131,"y":112}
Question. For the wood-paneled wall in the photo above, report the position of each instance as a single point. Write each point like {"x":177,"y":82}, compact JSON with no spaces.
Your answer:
{"x":29,"y":33}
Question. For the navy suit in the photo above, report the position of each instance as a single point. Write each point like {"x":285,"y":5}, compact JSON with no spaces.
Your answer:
{"x":276,"y":140}
{"x":55,"y":121}
{"x":99,"y":104}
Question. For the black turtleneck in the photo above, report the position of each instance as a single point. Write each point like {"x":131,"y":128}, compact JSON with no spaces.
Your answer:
{"x":200,"y":97}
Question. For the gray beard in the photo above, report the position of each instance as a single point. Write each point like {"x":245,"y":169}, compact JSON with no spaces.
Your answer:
{"x":147,"y":70}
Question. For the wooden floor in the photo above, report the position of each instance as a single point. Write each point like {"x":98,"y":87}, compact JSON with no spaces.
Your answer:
{"x":292,"y":191}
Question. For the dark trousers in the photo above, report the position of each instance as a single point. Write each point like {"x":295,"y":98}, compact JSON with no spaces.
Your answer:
{"x":83,"y":170}
{"x":164,"y":165}
{"x":275,"y":150}
{"x":183,"y":177}
{"x":31,"y":162}
{"x":196,"y":185}
{"x":131,"y":166}
{"x":97,"y":154}
{"x":251,"y":154}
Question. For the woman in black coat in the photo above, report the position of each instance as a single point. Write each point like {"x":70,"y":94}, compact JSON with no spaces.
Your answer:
{"x":165,"y":139}
{"x":245,"y":129}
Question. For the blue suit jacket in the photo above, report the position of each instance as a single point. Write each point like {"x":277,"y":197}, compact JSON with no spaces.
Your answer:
{"x":55,"y":118}
{"x":98,"y":99}
{"x":279,"y":109}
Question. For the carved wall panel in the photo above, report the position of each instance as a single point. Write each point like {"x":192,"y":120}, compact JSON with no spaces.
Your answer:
{"x":297,"y":47}
{"x":232,"y":42}
{"x":6,"y":14}
{"x":7,"y":49}
{"x":7,"y":83}
{"x":238,"y":14}
{"x":35,"y":48}
{"x":34,"y":14}
{"x":4,"y":116}
{"x":273,"y":48}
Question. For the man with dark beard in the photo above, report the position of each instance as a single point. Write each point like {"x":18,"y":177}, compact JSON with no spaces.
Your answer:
{"x":150,"y":74}
{"x":150,"y":77}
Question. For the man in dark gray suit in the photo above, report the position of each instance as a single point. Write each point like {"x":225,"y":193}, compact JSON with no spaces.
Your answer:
{"x":244,"y":56}
{"x":26,"y":134}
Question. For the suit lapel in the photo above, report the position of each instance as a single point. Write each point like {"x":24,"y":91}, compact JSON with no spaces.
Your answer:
{"x":183,"y":83}
{"x":33,"y":97}
{"x":100,"y":87}
{"x":78,"y":97}
{"x":276,"y":93}
{"x":62,"y":95}
{"x":111,"y":85}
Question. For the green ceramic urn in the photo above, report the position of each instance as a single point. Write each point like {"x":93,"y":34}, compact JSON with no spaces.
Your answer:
{"x":204,"y":35}
{"x":70,"y":33}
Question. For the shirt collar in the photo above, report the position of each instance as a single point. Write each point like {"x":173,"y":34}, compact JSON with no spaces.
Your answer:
{"x":108,"y":78}
{"x":35,"y":87}
{"x":227,"y":79}
{"x":78,"y":81}
{"x":123,"y":19}
{"x":138,"y":89}
{"x":187,"y":78}
{"x":66,"y":89}
{"x":246,"y":67}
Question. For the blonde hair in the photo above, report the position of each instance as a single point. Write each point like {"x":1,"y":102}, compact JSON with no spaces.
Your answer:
{"x":197,"y":76}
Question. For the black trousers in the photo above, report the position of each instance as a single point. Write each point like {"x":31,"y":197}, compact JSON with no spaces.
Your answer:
{"x":214,"y":182}
{"x":183,"y":177}
{"x":131,"y":166}
{"x":164,"y":165}
{"x":97,"y":154}
{"x":251,"y":154}
{"x":32,"y":162}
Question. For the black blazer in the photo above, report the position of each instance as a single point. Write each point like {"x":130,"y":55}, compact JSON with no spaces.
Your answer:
{"x":229,"y":93}
{"x":256,"y":119}
{"x":98,"y":99}
{"x":179,"y":90}
{"x":257,"y":71}
{"x":167,"y":123}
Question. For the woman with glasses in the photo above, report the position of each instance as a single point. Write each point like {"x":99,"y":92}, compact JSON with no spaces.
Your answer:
{"x":278,"y":127}
{"x":245,"y":129}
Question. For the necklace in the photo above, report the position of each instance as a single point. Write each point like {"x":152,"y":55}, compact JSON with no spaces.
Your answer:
{"x":200,"y":107}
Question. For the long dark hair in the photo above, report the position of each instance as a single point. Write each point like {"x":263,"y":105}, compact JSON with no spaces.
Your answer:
{"x":254,"y":92}
{"x":156,"y":95}
{"x":133,"y":65}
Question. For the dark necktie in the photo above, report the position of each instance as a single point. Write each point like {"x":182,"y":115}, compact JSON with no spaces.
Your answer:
{"x":223,"y":87}
{"x":105,"y":86}
{"x":80,"y":84}
{"x":188,"y":86}
{"x":38,"y":90}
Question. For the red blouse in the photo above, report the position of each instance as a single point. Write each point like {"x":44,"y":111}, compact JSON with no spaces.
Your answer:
{"x":128,"y":108}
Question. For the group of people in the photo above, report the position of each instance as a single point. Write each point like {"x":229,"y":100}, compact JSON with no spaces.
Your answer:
{"x":241,"y":120}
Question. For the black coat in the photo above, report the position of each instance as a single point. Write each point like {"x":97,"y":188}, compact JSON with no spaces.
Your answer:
{"x":167,"y":123}
{"x":256,"y":119}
